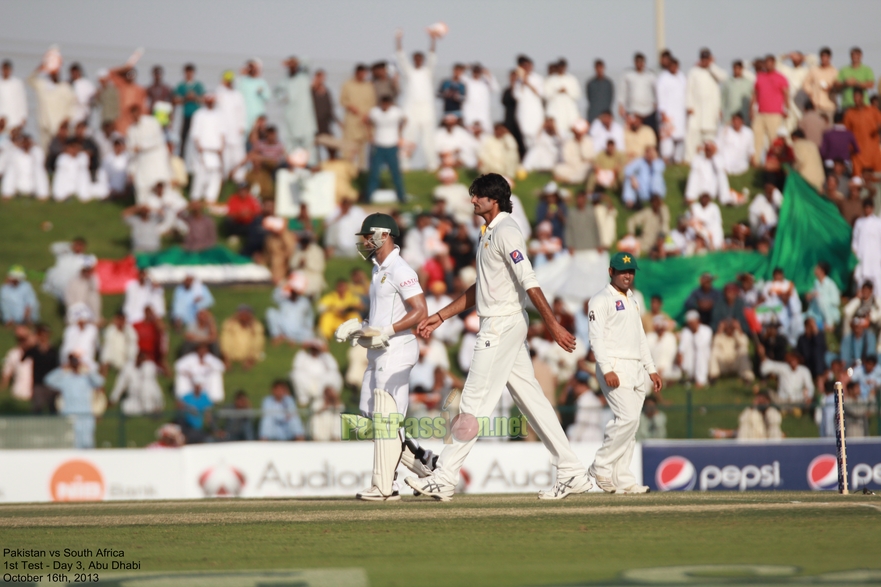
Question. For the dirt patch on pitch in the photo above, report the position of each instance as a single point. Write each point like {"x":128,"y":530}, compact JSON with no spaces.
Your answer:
{"x":401,"y":511}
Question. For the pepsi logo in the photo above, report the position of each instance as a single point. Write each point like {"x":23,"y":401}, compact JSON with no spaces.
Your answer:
{"x":675,"y":474}
{"x":823,"y":473}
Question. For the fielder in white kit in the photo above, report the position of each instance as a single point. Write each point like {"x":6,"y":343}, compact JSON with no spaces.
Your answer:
{"x":501,"y":358}
{"x":618,"y":341}
{"x":397,"y":304}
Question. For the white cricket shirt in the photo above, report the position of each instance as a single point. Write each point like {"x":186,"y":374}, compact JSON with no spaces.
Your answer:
{"x":616,"y":330}
{"x":392,"y":282}
{"x":504,"y":273}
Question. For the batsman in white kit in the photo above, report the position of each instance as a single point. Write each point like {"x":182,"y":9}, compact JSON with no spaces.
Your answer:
{"x":618,"y":341}
{"x":397,"y":304}
{"x":501,"y":358}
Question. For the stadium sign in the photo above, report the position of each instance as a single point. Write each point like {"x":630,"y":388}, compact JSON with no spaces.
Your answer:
{"x":808,"y":464}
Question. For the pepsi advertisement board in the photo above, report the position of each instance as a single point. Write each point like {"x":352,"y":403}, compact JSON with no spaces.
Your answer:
{"x":731,"y":465}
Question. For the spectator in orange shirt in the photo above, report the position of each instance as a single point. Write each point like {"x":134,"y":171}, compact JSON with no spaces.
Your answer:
{"x":864,"y":122}
{"x":243,"y":218}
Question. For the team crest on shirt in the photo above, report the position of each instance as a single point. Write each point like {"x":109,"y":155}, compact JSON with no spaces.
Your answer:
{"x":516,"y":256}
{"x":619,"y":305}
{"x":384,"y":277}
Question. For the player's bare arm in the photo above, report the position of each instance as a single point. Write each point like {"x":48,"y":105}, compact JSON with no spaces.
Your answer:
{"x":464,"y":302}
{"x":562,"y":336}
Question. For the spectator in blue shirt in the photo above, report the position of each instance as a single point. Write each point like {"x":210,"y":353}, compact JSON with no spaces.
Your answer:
{"x":452,"y":91}
{"x":280,"y":420}
{"x":861,"y":341}
{"x":704,"y":298}
{"x":18,"y":302}
{"x":868,"y":375}
{"x":77,"y":385}
{"x":195,"y":410}
{"x":189,"y":297}
{"x":644,"y":178}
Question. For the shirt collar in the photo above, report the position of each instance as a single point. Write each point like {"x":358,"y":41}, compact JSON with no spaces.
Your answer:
{"x":396,"y":252}
{"x":618,"y":293}
{"x":501,"y":216}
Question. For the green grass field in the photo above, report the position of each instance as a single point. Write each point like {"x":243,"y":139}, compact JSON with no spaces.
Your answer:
{"x":23,"y":240}
{"x":751,"y":538}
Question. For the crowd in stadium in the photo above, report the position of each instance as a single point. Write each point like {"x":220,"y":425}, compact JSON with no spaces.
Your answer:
{"x":170,"y":149}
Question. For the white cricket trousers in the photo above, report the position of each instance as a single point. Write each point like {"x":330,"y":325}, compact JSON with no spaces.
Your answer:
{"x":613,"y":458}
{"x":501,"y":358}
{"x":420,"y":130}
{"x":389,"y":370}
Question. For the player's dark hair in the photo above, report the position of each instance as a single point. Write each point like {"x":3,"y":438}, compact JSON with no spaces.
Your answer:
{"x":494,"y":186}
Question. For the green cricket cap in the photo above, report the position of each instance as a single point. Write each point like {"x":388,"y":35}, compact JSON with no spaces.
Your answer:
{"x":623,"y":261}
{"x":379,"y":221}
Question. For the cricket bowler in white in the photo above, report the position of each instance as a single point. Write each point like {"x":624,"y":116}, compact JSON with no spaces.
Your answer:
{"x":397,"y":304}
{"x":501,"y":358}
{"x":618,"y":341}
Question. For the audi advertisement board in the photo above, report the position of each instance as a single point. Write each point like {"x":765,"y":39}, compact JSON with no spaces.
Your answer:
{"x":731,"y":465}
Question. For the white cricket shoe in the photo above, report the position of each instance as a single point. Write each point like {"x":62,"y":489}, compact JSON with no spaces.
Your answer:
{"x":635,"y":489}
{"x":374,"y":494}
{"x":430,"y":487}
{"x":566,"y":486}
{"x":604,"y":483}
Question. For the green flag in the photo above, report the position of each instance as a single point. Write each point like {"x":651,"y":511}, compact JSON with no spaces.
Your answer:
{"x":811,"y":230}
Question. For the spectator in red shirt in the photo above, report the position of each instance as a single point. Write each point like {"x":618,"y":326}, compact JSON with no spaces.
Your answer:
{"x":243,"y":215}
{"x":152,"y":338}
{"x":770,"y":102}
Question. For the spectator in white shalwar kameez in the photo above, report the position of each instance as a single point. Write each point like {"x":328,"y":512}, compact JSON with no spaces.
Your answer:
{"x":695,"y":344}
{"x":479,"y":89}
{"x":450,"y":332}
{"x":317,"y":384}
{"x":140,"y":293}
{"x":13,"y":99}
{"x":703,"y":103}
{"x":84,"y":90}
{"x":116,"y":165}
{"x":137,"y":380}
{"x":71,"y":177}
{"x":605,"y":129}
{"x":529,"y":92}
{"x":295,"y":94}
{"x":663,"y":347}
{"x":419,"y":101}
{"x":25,"y":170}
{"x":866,"y":245}
{"x":69,"y":260}
{"x":340,"y":227}
{"x":56,"y":102}
{"x":199,"y":368}
{"x":576,"y":156}
{"x":452,"y":141}
{"x":544,"y":153}
{"x":498,"y":153}
{"x":707,"y":176}
{"x":671,"y":89}
{"x":455,"y":195}
{"x":562,"y":92}
{"x":763,"y":210}
{"x":120,"y":344}
{"x":81,"y":336}
{"x":708,"y":221}
{"x":736,"y":145}
{"x":207,"y":133}
{"x":231,"y":107}
{"x":149,"y":154}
